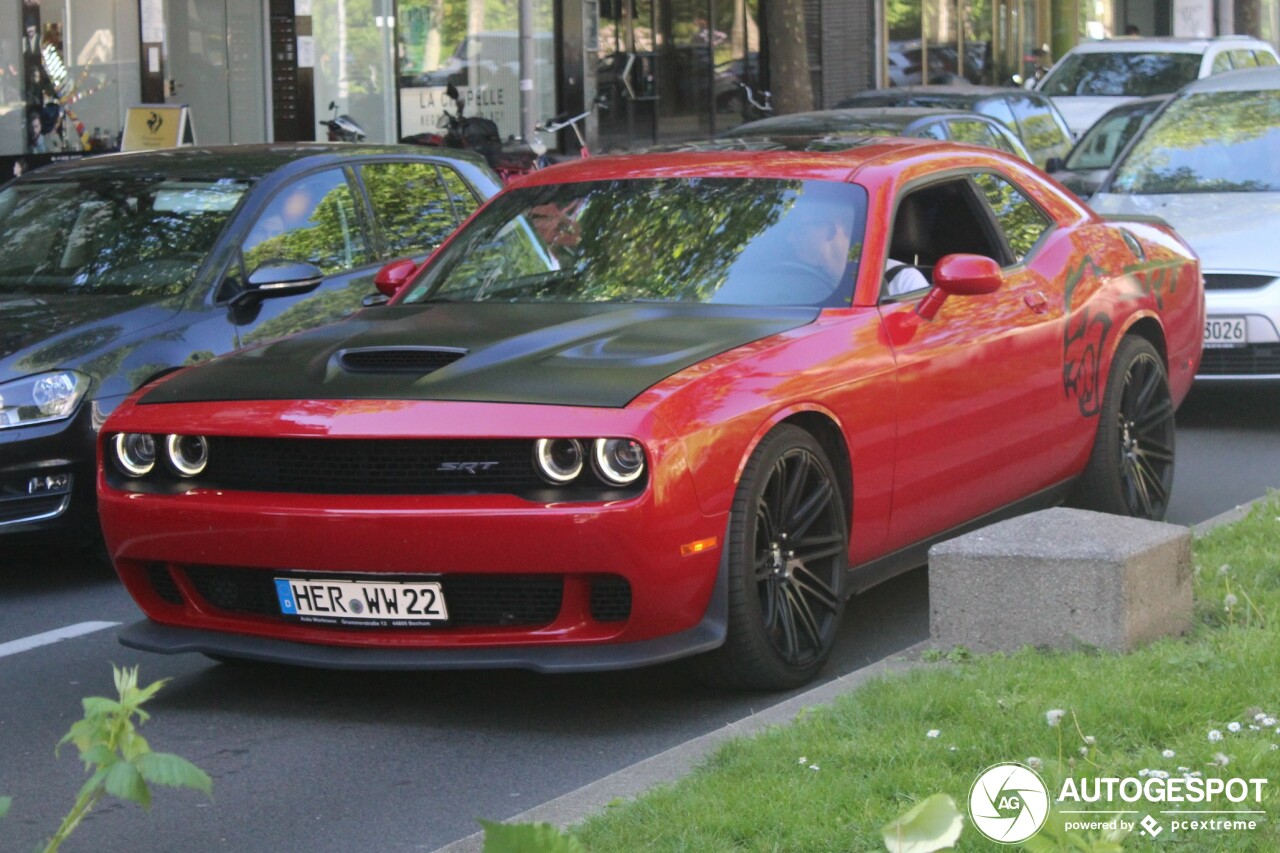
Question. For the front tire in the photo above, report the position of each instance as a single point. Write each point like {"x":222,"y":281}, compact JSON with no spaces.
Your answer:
{"x":788,"y":555}
{"x":1130,"y":471}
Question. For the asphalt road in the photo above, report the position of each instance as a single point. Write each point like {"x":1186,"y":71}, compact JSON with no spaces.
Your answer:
{"x":320,"y":761}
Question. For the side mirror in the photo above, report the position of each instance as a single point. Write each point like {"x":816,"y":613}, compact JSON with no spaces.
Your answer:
{"x":960,"y":275}
{"x":280,"y":278}
{"x":1054,"y":164}
{"x":395,"y":275}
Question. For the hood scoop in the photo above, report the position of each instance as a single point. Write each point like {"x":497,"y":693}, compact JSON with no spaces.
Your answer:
{"x":415,"y":360}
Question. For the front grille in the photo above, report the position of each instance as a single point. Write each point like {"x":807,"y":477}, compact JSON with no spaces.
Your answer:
{"x":1236,"y":281}
{"x":473,"y":600}
{"x":1251,"y":360}
{"x":162,"y":583}
{"x":369,"y":467}
{"x":610,"y":599}
{"x":398,"y":359}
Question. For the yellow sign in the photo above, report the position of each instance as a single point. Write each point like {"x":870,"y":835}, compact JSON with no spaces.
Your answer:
{"x":153,"y":126}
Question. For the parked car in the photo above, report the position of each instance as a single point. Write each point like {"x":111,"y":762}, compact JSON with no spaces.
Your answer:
{"x":954,"y":125}
{"x":649,"y":406}
{"x":1087,"y":164}
{"x":1209,"y":163}
{"x":1030,"y":115}
{"x":1095,"y":76}
{"x":117,"y":269}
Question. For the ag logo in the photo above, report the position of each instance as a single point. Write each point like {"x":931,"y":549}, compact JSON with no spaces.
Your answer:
{"x":1008,"y":803}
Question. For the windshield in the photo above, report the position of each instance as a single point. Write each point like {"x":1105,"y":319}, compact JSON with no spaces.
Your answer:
{"x":135,"y":237}
{"x":1103,"y":142}
{"x":746,"y":241}
{"x":1209,"y":142}
{"x":1134,"y":74}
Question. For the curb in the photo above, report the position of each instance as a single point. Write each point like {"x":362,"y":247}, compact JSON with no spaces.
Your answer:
{"x":679,"y":760}
{"x":575,"y":806}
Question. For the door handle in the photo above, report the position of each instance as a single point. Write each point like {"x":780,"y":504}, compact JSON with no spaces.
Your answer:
{"x":1036,"y":302}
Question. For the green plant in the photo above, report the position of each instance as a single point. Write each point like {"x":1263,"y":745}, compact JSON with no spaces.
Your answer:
{"x":527,"y":838}
{"x":122,"y":762}
{"x":932,"y":824}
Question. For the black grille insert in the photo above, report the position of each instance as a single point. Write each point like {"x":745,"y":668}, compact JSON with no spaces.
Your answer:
{"x":398,"y":359}
{"x":1251,"y":360}
{"x":162,"y":582}
{"x":1236,"y":281}
{"x":610,"y":599}
{"x":371,"y":467}
{"x":473,"y":600}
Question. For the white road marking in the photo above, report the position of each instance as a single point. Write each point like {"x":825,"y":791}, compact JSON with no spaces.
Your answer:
{"x":35,"y":641}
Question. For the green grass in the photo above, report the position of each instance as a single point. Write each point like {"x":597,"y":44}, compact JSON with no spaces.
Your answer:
{"x":830,"y":780}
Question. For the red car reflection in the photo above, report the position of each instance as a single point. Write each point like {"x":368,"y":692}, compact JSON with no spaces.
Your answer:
{"x":646,"y":407}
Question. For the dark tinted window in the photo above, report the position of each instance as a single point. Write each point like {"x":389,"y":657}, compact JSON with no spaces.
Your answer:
{"x":721,"y":240}
{"x":135,"y":237}
{"x":411,"y":204}
{"x":1103,"y":142}
{"x":1207,"y":142}
{"x":1137,"y":74}
{"x":1039,"y":128}
{"x":312,"y":220}
{"x":1023,"y":223}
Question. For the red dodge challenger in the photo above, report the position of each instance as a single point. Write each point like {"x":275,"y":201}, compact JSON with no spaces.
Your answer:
{"x":652,"y":406}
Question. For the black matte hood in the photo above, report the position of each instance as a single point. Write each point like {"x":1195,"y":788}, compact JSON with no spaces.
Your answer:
{"x":593,"y":354}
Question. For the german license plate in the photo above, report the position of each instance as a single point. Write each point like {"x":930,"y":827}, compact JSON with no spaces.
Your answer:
{"x":364,"y":603}
{"x":1225,"y":332}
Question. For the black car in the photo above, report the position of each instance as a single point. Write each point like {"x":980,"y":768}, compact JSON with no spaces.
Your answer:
{"x":1091,"y":158}
{"x":1030,"y":115}
{"x":117,"y":269}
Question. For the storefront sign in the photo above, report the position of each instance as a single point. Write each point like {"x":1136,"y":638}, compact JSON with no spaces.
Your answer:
{"x":422,"y":108}
{"x":152,"y":126}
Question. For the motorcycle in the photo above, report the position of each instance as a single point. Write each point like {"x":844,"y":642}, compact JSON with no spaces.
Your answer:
{"x":343,"y":128}
{"x":481,"y":135}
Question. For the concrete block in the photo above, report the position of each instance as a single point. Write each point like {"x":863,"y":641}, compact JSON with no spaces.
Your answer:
{"x":1061,"y":578}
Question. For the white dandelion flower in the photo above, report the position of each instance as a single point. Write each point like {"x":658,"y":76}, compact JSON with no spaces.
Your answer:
{"x":1214,"y":735}
{"x":1168,"y":753}
{"x":1090,"y":740}
{"x":803,"y":760}
{"x":1054,"y":716}
{"x":1229,"y":601}
{"x":1233,"y":727}
{"x":1220,"y":759}
{"x":933,"y":733}
{"x":1034,"y":763}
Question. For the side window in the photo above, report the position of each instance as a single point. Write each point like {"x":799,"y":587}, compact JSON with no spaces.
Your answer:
{"x":1042,"y":135}
{"x":1243,"y":59}
{"x":935,"y":130}
{"x":410,"y":204}
{"x":1264,"y":58}
{"x":1023,"y":223}
{"x":312,"y":220}
{"x":1000,"y":111}
{"x":941,"y":219}
{"x":464,"y":199}
{"x":973,"y":133}
{"x":1221,"y":62}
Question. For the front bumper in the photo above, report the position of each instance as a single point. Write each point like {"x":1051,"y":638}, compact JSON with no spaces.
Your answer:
{"x":47,"y":475}
{"x":1259,"y":357}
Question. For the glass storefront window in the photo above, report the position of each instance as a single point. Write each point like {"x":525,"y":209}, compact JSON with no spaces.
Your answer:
{"x":76,"y":71}
{"x":353,"y":67}
{"x":475,"y":46}
{"x":939,"y":41}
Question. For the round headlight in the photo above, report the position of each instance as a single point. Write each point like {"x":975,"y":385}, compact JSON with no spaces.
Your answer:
{"x":135,"y":453}
{"x":619,"y":461}
{"x":187,"y":454}
{"x":559,"y":460}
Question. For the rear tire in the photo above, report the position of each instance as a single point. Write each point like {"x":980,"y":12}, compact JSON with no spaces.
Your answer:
{"x":1130,"y":471}
{"x":787,"y":558}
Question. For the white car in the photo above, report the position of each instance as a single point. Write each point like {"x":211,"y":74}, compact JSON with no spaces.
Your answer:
{"x":1095,"y":76}
{"x":1209,"y":164}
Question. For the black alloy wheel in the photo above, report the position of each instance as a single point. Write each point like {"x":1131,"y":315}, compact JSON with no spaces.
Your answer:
{"x":788,"y":553}
{"x":1131,"y":469}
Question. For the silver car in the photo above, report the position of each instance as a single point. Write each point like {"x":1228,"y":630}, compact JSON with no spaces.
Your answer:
{"x":1209,"y":164}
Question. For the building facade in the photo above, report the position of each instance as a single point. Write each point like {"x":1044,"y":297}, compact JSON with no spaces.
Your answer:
{"x":662,"y":70}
